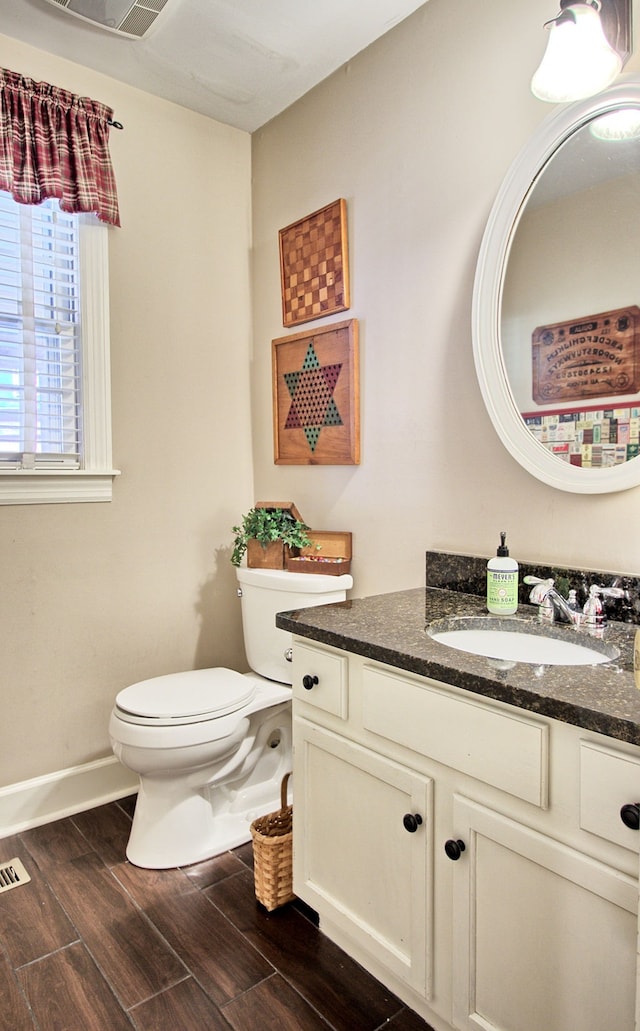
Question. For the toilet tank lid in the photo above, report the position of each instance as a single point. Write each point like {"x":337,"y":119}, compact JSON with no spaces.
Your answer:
{"x":300,"y":583}
{"x":194,"y":693}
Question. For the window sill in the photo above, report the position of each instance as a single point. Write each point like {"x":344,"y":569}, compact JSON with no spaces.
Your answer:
{"x":43,"y":487}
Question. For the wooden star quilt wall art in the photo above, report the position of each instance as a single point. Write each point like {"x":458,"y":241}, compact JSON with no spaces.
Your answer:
{"x":316,"y":396}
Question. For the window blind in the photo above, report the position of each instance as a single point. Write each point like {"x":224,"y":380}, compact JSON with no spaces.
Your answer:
{"x":40,"y":344}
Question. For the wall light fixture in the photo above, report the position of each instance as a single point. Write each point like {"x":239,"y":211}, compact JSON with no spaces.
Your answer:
{"x":589,"y":43}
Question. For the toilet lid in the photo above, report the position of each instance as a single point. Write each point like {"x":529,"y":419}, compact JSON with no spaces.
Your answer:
{"x":190,"y":697}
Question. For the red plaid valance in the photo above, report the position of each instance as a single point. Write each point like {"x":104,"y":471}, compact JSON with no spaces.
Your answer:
{"x":54,"y":144}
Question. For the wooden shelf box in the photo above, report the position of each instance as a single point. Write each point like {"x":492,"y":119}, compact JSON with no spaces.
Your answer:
{"x":330,"y":553}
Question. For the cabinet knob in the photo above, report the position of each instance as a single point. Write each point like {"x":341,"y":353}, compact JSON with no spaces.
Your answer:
{"x":309,"y":681}
{"x":411,"y":822}
{"x":454,"y":849}
{"x":630,"y":816}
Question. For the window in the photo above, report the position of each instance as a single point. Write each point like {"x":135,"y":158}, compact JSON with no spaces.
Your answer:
{"x":55,"y":432}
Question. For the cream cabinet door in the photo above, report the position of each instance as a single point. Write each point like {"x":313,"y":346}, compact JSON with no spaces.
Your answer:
{"x":544,"y":936}
{"x":362,"y":847}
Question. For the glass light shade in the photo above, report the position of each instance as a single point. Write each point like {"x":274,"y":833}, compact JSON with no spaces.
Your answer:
{"x":621,"y":124}
{"x":578,"y":61}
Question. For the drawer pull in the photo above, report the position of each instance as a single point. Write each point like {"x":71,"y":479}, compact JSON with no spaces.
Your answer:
{"x":630,"y":816}
{"x":411,"y":822}
{"x":308,"y":681}
{"x":454,"y":849}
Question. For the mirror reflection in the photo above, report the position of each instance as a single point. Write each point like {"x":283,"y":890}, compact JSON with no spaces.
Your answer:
{"x":569,"y":319}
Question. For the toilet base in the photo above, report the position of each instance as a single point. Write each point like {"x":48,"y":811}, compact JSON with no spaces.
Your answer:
{"x":152,"y":851}
{"x":175,"y":825}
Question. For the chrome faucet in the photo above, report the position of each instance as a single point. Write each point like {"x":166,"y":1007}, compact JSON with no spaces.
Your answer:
{"x":551,"y":605}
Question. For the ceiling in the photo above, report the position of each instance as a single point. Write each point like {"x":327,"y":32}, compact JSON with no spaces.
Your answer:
{"x":239,"y":61}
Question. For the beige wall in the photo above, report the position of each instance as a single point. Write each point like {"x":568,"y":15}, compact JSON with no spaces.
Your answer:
{"x":417,"y":133}
{"x":96,"y":596}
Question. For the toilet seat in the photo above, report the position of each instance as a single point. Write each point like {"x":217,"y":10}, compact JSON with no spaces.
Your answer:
{"x":194,"y":696}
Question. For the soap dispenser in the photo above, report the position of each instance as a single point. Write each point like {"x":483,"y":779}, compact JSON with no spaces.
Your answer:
{"x":502,"y":581}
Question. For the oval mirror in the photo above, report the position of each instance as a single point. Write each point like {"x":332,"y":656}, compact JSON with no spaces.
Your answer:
{"x":556,"y":304}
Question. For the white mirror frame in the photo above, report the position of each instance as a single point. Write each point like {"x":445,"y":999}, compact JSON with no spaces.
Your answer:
{"x":487,"y":298}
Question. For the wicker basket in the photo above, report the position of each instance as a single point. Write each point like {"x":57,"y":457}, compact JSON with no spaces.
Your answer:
{"x":272,"y":853}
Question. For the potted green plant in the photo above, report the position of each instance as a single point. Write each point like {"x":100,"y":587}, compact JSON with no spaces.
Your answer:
{"x":268,"y":533}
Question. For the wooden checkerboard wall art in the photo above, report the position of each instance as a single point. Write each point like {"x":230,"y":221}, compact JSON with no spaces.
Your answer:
{"x":314,"y":265}
{"x":316,"y":396}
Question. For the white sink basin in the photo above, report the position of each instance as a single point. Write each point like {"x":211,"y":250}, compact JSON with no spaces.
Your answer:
{"x":520,"y":642}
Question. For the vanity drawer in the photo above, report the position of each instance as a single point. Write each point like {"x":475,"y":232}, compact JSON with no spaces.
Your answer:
{"x":608,"y":780}
{"x":326,"y":675}
{"x":501,"y":748}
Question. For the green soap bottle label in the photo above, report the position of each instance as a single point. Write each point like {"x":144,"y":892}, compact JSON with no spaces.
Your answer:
{"x":502,"y":590}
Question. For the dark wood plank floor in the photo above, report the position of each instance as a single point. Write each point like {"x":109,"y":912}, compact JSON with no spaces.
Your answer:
{"x":93,"y":943}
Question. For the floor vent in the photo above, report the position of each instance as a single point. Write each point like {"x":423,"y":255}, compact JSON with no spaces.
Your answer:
{"x":12,"y":875}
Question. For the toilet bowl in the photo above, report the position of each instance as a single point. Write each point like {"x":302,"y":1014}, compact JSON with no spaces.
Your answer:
{"x":211,"y":746}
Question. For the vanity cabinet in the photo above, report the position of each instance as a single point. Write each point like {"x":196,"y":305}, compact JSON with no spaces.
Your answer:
{"x":360,"y":864}
{"x":470,"y":854}
{"x":544,"y":936}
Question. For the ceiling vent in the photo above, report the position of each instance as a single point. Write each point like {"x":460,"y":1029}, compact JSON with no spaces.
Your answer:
{"x":131,"y":18}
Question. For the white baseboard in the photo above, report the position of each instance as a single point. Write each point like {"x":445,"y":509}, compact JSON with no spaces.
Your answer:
{"x":30,"y":803}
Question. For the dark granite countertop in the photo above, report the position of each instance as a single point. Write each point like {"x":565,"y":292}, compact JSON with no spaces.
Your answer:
{"x":391,"y":628}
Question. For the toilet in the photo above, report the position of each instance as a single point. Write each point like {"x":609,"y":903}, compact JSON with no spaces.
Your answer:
{"x":211,"y":746}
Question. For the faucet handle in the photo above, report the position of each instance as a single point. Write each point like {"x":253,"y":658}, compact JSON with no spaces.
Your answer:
{"x":541,"y":596}
{"x":606,"y":592}
{"x":593,"y":609}
{"x":540,"y":590}
{"x":630,"y":608}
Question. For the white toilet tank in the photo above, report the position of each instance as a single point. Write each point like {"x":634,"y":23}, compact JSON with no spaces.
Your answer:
{"x":264,"y":592}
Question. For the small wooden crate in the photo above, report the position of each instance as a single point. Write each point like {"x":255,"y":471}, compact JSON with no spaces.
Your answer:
{"x":273,"y":854}
{"x":333,"y":556}
{"x":267,"y":556}
{"x":273,"y":555}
